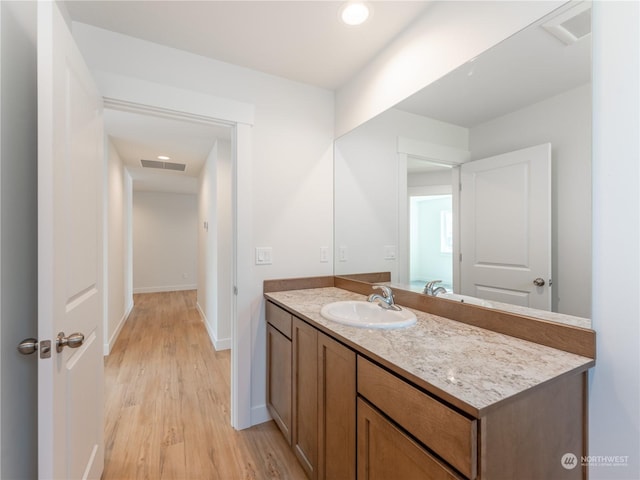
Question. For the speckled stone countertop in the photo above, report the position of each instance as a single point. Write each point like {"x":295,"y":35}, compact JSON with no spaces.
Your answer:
{"x":472,"y":368}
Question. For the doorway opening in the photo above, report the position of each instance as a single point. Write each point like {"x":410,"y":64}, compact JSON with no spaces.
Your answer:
{"x":208,"y":148}
{"x":431,"y":238}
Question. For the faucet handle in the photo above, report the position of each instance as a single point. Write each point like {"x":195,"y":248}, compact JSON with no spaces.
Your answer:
{"x":386,"y":291}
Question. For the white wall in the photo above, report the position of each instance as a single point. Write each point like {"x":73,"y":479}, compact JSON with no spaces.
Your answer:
{"x":224,"y":230}
{"x":366,"y":186}
{"x":118,"y":294}
{"x":614,"y":420}
{"x":18,"y":239}
{"x":215,"y":249}
{"x":565,"y":121}
{"x":447,"y":35}
{"x":207,"y":280}
{"x":165,"y":242}
{"x":288,"y":204}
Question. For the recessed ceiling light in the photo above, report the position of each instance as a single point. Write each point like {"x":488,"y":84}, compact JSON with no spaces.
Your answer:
{"x":163,"y":157}
{"x":354,"y":13}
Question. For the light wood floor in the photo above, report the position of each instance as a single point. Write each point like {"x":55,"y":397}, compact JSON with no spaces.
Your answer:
{"x":167,"y":403}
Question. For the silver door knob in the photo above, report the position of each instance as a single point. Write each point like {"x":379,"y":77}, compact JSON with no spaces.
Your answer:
{"x":28,"y":346}
{"x":72,"y":341}
{"x":539,"y":282}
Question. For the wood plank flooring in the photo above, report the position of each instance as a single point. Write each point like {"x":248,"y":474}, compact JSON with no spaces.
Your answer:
{"x":167,"y":403}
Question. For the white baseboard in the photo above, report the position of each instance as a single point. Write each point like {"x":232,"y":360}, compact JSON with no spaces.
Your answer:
{"x":259,"y":414}
{"x":218,"y":344}
{"x":224,"y":344}
{"x":167,"y":288}
{"x":114,"y":336}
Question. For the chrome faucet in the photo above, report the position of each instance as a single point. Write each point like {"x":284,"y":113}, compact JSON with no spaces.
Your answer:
{"x":431,"y":289}
{"x":385,"y":300}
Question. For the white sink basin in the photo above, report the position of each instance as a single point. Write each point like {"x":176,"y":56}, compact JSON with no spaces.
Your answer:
{"x":367,"y":315}
{"x":466,"y":299}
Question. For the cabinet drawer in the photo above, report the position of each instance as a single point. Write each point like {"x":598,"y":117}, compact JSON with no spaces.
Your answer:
{"x":448,"y":433}
{"x":385,"y":452}
{"x":279,"y":318}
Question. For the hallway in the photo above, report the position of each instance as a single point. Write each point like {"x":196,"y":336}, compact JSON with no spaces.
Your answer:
{"x":167,"y":403}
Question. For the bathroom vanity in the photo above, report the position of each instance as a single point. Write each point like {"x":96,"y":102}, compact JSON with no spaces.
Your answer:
{"x":442,"y":398}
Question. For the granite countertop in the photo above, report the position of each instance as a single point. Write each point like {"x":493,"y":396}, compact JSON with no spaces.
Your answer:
{"x":473,"y":368}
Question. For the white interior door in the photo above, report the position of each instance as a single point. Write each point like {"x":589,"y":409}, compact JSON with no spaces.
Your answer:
{"x":505,"y":226}
{"x":70,"y":146}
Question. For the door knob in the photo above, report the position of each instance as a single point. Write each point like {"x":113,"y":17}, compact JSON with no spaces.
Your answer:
{"x":31,"y":345}
{"x":72,"y":341}
{"x":28,"y":346}
{"x":539,"y":282}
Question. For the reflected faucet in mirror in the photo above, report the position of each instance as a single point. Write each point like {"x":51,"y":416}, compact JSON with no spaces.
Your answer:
{"x":431,"y":289}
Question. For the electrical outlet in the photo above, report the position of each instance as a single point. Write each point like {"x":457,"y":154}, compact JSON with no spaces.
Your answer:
{"x":324,"y":254}
{"x":343,"y":254}
{"x":264,"y":255}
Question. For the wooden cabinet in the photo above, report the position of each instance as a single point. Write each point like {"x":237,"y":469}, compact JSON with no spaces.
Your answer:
{"x":385,"y":451}
{"x":348,"y":417}
{"x":322,"y":390}
{"x":279,"y":380}
{"x":336,"y":410}
{"x":305,"y":396}
{"x":279,"y":347}
{"x":524,"y":438}
{"x":448,"y":433}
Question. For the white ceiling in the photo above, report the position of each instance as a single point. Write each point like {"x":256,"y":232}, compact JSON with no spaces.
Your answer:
{"x":529,"y":67}
{"x":305,"y":41}
{"x":143,"y":137}
{"x":299,"y":40}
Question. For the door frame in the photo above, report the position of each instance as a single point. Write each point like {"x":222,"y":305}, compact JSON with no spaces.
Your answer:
{"x":435,"y":153}
{"x":125,"y":93}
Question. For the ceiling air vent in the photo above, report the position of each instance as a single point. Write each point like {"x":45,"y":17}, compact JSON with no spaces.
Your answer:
{"x":571,"y":25}
{"x":178,"y":167}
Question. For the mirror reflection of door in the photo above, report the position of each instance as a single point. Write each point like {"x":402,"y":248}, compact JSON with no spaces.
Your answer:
{"x":431,"y":237}
{"x":505,"y":225}
{"x":502,"y":217}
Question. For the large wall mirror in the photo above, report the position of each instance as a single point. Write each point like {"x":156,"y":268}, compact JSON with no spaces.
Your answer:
{"x":483,"y":179}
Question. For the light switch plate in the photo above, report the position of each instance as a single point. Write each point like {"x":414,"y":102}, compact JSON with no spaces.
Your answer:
{"x":390,"y":252}
{"x":264,"y":255}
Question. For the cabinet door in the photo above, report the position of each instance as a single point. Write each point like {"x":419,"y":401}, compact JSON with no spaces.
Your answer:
{"x":305,"y":395}
{"x":279,"y":380}
{"x":336,"y":410}
{"x":385,"y":452}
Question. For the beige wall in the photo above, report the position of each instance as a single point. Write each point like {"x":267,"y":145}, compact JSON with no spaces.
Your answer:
{"x":165,"y":242}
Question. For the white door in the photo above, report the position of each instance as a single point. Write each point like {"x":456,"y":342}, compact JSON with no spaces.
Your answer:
{"x":70,"y":146}
{"x":505,"y":224}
